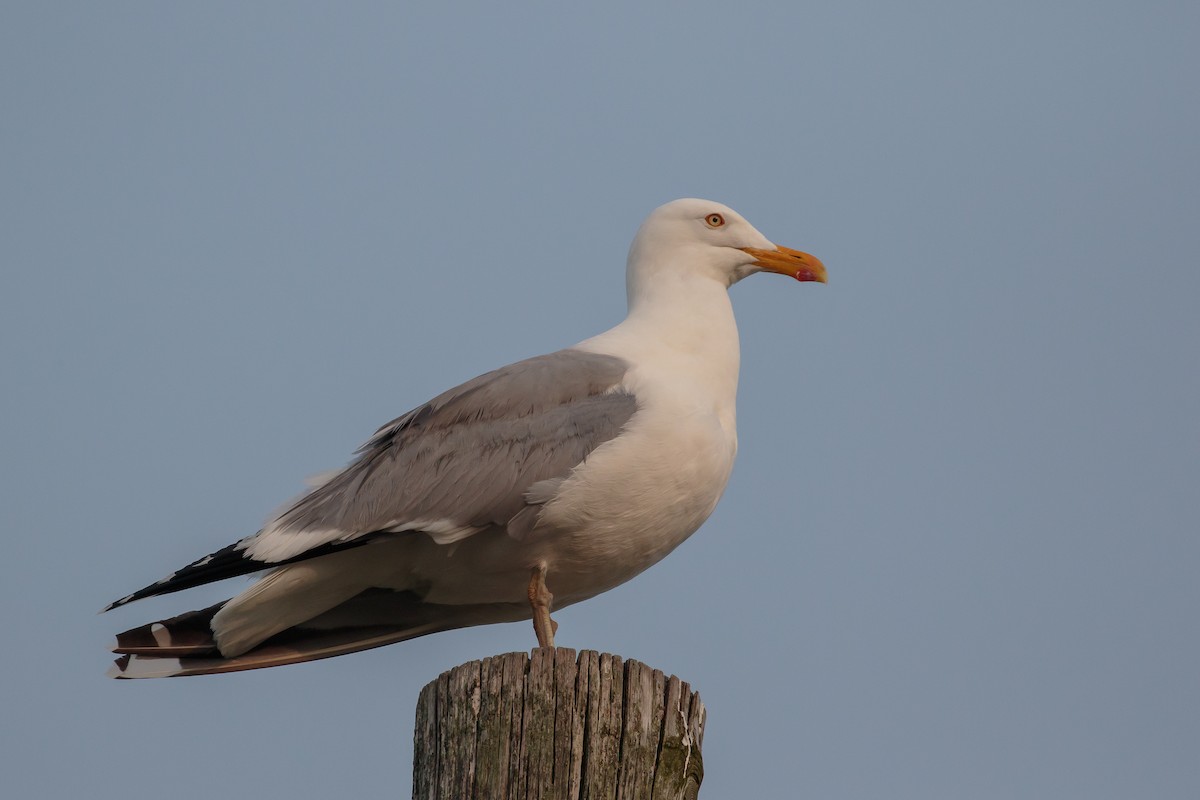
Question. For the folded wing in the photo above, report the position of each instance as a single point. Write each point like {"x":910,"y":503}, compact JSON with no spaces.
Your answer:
{"x":465,"y":461}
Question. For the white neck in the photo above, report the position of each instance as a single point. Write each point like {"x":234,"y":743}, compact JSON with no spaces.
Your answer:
{"x":682,"y":326}
{"x":687,"y":313}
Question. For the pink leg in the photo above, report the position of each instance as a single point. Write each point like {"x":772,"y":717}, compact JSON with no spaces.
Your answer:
{"x":540,"y":600}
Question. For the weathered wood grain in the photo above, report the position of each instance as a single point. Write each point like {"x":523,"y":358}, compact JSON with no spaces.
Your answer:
{"x":557,"y":725}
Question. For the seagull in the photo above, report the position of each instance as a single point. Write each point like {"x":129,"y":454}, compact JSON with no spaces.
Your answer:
{"x":522,"y":491}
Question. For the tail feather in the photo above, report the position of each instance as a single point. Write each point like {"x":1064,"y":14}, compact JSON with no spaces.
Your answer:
{"x":184,"y":645}
{"x":185,"y":635}
{"x":310,"y":647}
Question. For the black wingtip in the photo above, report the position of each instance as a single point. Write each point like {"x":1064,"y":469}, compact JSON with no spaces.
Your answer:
{"x":228,"y":562}
{"x":129,"y":598}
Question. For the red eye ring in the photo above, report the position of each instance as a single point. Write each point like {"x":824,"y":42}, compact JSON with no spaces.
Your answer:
{"x":714,"y":220}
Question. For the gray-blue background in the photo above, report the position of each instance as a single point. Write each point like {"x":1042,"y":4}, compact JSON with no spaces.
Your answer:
{"x":958,"y":556}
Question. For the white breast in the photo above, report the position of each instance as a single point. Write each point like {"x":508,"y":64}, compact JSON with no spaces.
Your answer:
{"x":638,"y":496}
{"x":636,"y":500}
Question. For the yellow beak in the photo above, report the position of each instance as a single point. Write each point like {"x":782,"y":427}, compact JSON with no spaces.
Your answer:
{"x":786,"y":261}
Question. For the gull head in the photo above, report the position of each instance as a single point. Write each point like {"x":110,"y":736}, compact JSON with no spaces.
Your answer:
{"x":690,"y":238}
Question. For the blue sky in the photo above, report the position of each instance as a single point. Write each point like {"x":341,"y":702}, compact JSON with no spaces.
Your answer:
{"x":958,"y":554}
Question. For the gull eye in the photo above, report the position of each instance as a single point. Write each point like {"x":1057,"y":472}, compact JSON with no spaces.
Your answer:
{"x":714,"y":220}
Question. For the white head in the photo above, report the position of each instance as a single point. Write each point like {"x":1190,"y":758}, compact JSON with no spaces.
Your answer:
{"x":688,"y":239}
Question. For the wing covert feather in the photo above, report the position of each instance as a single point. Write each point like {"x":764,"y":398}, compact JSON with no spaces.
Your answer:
{"x":466,"y":459}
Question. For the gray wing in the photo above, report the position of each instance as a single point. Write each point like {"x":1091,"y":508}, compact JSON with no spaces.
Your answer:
{"x":464,"y":461}
{"x":483,"y":455}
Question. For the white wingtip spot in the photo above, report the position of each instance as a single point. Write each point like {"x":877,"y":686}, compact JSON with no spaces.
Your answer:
{"x":136,"y":667}
{"x":162,"y":636}
{"x":116,"y":603}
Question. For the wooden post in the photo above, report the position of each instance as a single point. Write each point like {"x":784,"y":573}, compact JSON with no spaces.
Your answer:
{"x":513,"y":727}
